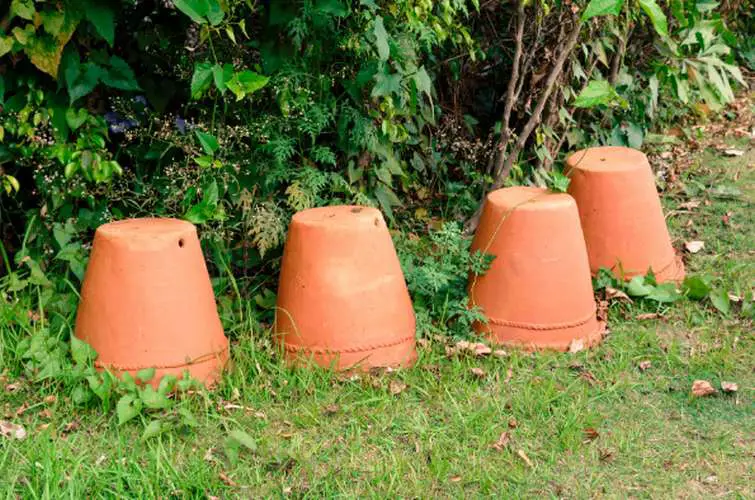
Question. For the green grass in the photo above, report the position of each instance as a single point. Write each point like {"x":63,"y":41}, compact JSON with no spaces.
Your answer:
{"x":592,"y":424}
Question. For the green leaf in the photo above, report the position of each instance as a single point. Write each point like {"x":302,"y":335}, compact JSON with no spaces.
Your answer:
{"x":720,"y":300}
{"x":23,"y":9}
{"x":154,"y":429}
{"x":638,"y":288}
{"x":423,"y":82}
{"x":596,"y":93}
{"x":188,"y":418}
{"x":128,"y":407}
{"x":246,"y":82}
{"x":195,"y":9}
{"x":602,"y":8}
{"x":333,"y":7}
{"x":386,"y":84}
{"x":381,"y":39}
{"x":695,"y":287}
{"x":214,"y":12}
{"x":146,"y":374}
{"x":153,"y":399}
{"x":201,"y":79}
{"x":6,"y":44}
{"x":665,"y":293}
{"x":656,"y":15}
{"x":76,"y":118}
{"x":102,"y":18}
{"x":53,"y":21}
{"x":221,"y":75}
{"x":209,"y":142}
{"x":120,"y":75}
{"x":167,"y":383}
{"x":244,"y":439}
{"x":81,"y":352}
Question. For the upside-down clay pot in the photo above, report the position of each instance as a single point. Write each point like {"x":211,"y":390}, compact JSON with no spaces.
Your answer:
{"x":342,"y":298}
{"x":621,"y":213}
{"x":147,"y":302}
{"x":537,"y":294}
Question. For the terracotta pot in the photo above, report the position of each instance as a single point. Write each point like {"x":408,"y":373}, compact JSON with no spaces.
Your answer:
{"x":147,"y":301}
{"x":621,"y":213}
{"x":342,"y":299}
{"x":537,"y":293}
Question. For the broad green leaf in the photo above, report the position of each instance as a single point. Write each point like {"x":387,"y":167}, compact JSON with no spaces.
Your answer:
{"x":665,"y":293}
{"x":695,"y":287}
{"x":638,"y":288}
{"x":386,"y":198}
{"x":25,"y":35}
{"x":102,"y":18}
{"x":215,"y":13}
{"x":596,"y":93}
{"x":209,"y":142}
{"x":6,"y":44}
{"x":195,"y":9}
{"x":381,"y":39}
{"x":602,"y":8}
{"x":153,"y":399}
{"x":120,"y":75}
{"x":128,"y":407}
{"x":201,"y":79}
{"x":720,"y":84}
{"x":720,"y":300}
{"x":76,"y":118}
{"x":188,"y":418}
{"x":221,"y":75}
{"x":656,"y":15}
{"x":154,"y":429}
{"x":246,"y":82}
{"x":23,"y":9}
{"x":145,"y":374}
{"x":386,"y":84}
{"x":244,"y":439}
{"x":423,"y":82}
{"x":335,"y":8}
{"x":53,"y":21}
{"x":167,"y":383}
{"x":81,"y":352}
{"x":634,"y":135}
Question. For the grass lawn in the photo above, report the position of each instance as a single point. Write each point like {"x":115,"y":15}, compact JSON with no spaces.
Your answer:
{"x":589,"y":424}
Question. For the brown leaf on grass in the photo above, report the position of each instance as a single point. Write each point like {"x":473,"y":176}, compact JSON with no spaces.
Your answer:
{"x":729,"y":387}
{"x":590,"y":435}
{"x":509,"y":374}
{"x":606,"y":456}
{"x":702,"y":388}
{"x":689,"y":205}
{"x":525,"y":458}
{"x":576,"y":345}
{"x":42,"y":427}
{"x":476,"y":348}
{"x":589,"y":377}
{"x":644,"y":316}
{"x":455,"y":479}
{"x":227,"y":480}
{"x":12,"y":387}
{"x":71,"y":426}
{"x":694,"y":246}
{"x":331,"y":409}
{"x":22,"y":409}
{"x":513,"y":424}
{"x":503,"y":441}
{"x":500,"y":353}
{"x":423,"y":342}
{"x":733,"y":152}
{"x":477,"y":372}
{"x":644,"y":365}
{"x":602,"y":310}
{"x":726,"y":218}
{"x":616,"y":294}
{"x":50,"y":399}
{"x":11,"y":430}
{"x":396,"y":387}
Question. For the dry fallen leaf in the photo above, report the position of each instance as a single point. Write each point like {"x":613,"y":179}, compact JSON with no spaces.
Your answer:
{"x":12,"y":387}
{"x":694,"y":246}
{"x":50,"y":399}
{"x":476,"y":348}
{"x":331,"y":409}
{"x":647,"y":316}
{"x":526,"y":459}
{"x":616,"y":294}
{"x":513,"y":424}
{"x":576,"y":345}
{"x":645,"y":365}
{"x":477,"y":372}
{"x":227,"y":480}
{"x":396,"y":387}
{"x":500,"y":353}
{"x":11,"y":430}
{"x":606,"y":455}
{"x":503,"y":441}
{"x":590,"y":435}
{"x":733,"y":152}
{"x":455,"y":479}
{"x":701,"y":388}
{"x":509,"y":374}
{"x":729,"y":387}
{"x":689,"y":205}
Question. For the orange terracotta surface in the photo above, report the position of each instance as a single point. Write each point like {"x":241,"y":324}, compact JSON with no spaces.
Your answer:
{"x":147,"y":301}
{"x":538,"y":292}
{"x":342,"y":299}
{"x":621,"y":213}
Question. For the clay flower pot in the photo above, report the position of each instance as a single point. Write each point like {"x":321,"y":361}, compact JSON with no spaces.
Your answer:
{"x":621,"y":213}
{"x":342,"y":299}
{"x":537,"y":293}
{"x":147,"y":301}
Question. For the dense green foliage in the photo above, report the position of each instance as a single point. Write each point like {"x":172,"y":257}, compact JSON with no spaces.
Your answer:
{"x":233,"y":114}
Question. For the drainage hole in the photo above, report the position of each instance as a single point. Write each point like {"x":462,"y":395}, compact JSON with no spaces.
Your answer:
{"x":181,"y":243}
